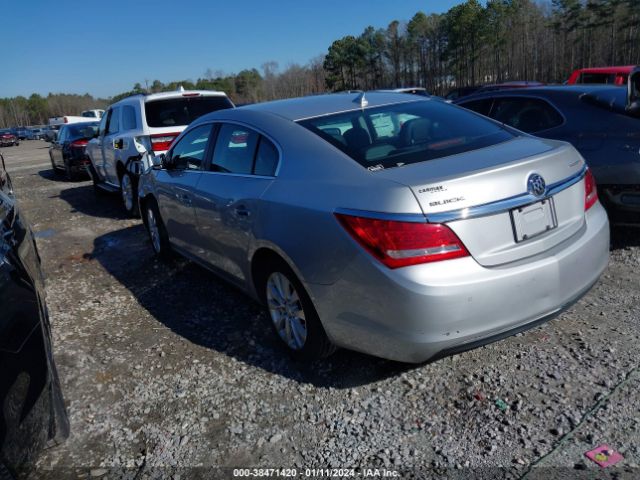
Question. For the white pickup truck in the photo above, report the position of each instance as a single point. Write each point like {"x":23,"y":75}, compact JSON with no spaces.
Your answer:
{"x":57,"y":121}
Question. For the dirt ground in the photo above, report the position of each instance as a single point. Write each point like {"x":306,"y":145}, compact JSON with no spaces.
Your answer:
{"x":169,"y":372}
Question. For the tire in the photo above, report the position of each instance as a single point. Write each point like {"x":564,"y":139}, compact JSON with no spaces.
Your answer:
{"x":53,"y":166}
{"x":94,"y":181}
{"x":156,"y":229}
{"x":68,"y":172}
{"x":129,"y":193}
{"x":292,"y":314}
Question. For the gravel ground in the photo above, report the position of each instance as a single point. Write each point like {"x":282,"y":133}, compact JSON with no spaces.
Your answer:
{"x":169,"y":372}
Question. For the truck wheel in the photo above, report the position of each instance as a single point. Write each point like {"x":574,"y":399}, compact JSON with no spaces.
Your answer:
{"x":129,"y":193}
{"x":94,"y":180}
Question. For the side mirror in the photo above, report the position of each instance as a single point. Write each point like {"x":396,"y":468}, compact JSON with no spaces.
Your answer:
{"x":158,"y":161}
{"x":633,"y":108}
{"x":633,"y":93}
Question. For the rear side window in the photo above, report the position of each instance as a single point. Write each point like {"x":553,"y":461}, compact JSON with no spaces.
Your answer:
{"x":405,"y":133}
{"x":129,"y":121}
{"x":182,"y":110}
{"x":527,"y":114}
{"x":235,"y":150}
{"x":266,"y":158}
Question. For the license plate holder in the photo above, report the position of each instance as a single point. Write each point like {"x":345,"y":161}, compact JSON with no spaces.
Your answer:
{"x":533,"y":219}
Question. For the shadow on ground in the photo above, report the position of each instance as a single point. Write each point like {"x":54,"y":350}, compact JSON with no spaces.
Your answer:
{"x":198,"y":306}
{"x":83,"y":199}
{"x":59,"y":176}
{"x":624,"y":236}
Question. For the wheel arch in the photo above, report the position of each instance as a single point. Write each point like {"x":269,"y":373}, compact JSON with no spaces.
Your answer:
{"x":261,"y":257}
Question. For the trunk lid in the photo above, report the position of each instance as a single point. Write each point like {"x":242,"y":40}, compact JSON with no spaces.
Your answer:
{"x":450,"y":190}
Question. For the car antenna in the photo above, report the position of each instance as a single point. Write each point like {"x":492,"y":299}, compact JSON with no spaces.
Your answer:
{"x":361,"y":100}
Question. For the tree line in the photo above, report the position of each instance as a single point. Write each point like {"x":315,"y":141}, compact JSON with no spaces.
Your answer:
{"x":469,"y":44}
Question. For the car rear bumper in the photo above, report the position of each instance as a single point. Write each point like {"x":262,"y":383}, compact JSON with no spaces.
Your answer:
{"x":415,"y":313}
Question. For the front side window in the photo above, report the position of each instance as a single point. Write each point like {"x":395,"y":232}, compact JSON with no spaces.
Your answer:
{"x":189,"y":152}
{"x":405,"y":133}
{"x":235,"y":150}
{"x":527,"y":114}
{"x":103,"y":122}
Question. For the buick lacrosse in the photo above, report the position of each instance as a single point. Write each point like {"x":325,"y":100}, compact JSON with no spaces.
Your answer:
{"x":391,"y":224}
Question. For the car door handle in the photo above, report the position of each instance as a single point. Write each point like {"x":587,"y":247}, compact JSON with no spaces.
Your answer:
{"x":186,"y":199}
{"x":242,"y":211}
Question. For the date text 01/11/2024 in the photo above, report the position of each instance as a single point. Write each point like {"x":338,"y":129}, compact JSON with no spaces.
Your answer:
{"x":316,"y":472}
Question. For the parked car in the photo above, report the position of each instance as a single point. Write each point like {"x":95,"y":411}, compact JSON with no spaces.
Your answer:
{"x":68,"y":152}
{"x":35,"y":133}
{"x":33,"y":414}
{"x":607,"y":75}
{"x":8,"y":138}
{"x":21,"y":133}
{"x":439,"y":233}
{"x":139,"y":124}
{"x":50,"y":132}
{"x":598,"y":122}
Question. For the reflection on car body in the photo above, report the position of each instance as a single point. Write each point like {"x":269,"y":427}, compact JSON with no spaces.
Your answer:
{"x":32,"y":414}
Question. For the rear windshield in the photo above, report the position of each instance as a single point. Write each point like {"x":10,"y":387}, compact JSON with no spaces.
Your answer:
{"x":182,"y":111}
{"x":83,"y":131}
{"x":597,"y":78}
{"x":405,"y":133}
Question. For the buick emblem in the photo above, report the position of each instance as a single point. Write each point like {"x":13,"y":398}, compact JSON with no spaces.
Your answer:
{"x":536,"y":185}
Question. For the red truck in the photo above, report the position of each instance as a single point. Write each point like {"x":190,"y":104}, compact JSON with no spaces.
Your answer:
{"x":607,"y":75}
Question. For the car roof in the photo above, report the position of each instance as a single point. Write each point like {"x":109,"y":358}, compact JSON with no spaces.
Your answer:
{"x":320,"y":105}
{"x":578,"y":89}
{"x":172,"y":94}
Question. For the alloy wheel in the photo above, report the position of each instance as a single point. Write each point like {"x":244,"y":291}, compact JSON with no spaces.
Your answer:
{"x":285,"y":308}
{"x":154,"y":231}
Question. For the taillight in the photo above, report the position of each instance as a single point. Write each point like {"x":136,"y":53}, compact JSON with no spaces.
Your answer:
{"x":590,"y":190}
{"x":400,"y":244}
{"x":79,"y":143}
{"x":162,"y":141}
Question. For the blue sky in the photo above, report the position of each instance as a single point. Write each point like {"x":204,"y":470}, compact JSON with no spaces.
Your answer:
{"x":104,"y":47}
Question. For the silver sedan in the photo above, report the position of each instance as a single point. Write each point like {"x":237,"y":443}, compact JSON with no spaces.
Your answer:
{"x":391,"y":224}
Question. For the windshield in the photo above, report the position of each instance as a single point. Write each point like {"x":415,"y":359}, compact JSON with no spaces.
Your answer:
{"x":183,"y":110}
{"x":405,"y":133}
